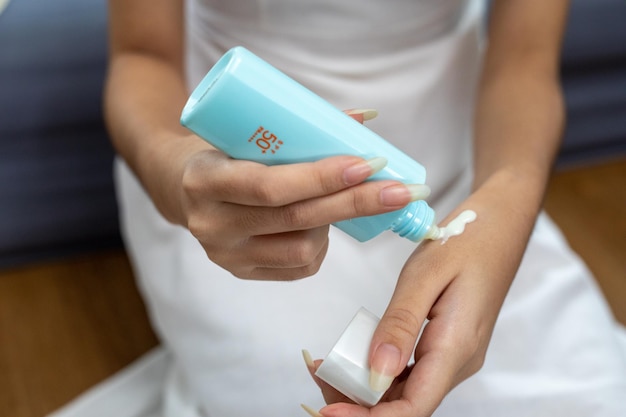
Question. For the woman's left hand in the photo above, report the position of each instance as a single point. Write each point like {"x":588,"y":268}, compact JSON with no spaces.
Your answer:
{"x":458,"y":287}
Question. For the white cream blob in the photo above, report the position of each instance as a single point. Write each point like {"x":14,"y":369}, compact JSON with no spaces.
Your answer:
{"x":454,"y":228}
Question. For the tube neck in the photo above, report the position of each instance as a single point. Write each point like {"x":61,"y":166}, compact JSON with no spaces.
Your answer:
{"x":417,"y":222}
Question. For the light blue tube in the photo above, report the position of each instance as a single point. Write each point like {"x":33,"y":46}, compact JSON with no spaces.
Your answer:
{"x":250,"y":110}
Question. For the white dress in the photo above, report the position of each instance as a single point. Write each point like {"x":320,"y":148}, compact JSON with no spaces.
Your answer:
{"x":232,"y":348}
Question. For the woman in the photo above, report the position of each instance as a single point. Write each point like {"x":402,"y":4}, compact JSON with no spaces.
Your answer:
{"x":214,"y":239}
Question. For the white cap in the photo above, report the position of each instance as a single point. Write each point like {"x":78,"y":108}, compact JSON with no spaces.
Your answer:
{"x":346,"y":368}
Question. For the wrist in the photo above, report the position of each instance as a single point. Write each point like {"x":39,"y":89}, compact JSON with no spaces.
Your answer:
{"x":161,"y":168}
{"x":522,"y":190}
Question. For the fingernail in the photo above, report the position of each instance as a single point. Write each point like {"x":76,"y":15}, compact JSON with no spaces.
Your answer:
{"x":308,"y":359}
{"x":365,"y":114}
{"x":384,"y":364}
{"x":310,"y":411}
{"x":360,"y":171}
{"x":418,"y":191}
{"x":402,"y":194}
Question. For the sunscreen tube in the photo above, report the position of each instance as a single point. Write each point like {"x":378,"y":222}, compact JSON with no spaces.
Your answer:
{"x":250,"y":110}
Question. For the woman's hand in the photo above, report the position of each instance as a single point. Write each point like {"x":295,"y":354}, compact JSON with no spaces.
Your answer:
{"x":258,"y":222}
{"x":457,"y":289}
{"x":261,"y":222}
{"x":271,"y":223}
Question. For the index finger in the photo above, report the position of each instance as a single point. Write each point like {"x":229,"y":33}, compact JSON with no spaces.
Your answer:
{"x":393,"y":342}
{"x":253,"y":184}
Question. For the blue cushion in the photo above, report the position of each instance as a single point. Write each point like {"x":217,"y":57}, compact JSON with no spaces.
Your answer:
{"x":594,"y":81}
{"x":56,"y":189}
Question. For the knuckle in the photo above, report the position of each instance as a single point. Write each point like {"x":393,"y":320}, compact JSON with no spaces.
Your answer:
{"x":363,"y":200}
{"x":476,"y":351}
{"x":246,"y":223}
{"x":302,"y":254}
{"x":357,"y":202}
{"x":191,"y":180}
{"x":311,"y":269}
{"x":199,"y":227}
{"x":401,"y":324}
{"x":471,"y":347}
{"x":295,"y":216}
{"x":201,"y":180}
{"x":474,"y":342}
{"x":477,"y":363}
{"x":264,"y":193}
{"x":245,"y":274}
{"x":325,"y":185}
{"x":204,"y":227}
{"x":223,"y":257}
{"x":196,"y":227}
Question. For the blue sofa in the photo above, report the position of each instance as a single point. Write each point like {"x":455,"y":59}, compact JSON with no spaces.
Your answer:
{"x":56,"y":190}
{"x":594,"y":80}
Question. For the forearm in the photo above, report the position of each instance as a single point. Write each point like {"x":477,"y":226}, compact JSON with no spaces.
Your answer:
{"x":144,"y":96}
{"x":145,"y":92}
{"x":518,"y":127}
{"x":520,"y":114}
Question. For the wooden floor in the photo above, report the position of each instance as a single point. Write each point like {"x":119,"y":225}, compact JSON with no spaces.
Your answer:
{"x":589,"y":204}
{"x":66,"y":325}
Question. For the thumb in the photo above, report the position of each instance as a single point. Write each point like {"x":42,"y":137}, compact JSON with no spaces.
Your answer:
{"x":395,"y":336}
{"x":392,"y":345}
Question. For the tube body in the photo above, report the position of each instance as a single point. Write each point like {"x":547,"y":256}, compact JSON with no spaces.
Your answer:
{"x":250,"y":110}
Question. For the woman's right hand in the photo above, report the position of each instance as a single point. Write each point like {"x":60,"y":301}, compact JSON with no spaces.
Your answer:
{"x":258,"y":222}
{"x":271,"y":222}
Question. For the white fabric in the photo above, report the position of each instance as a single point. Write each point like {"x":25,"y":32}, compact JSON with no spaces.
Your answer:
{"x":136,"y":391}
{"x":234,"y":346}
